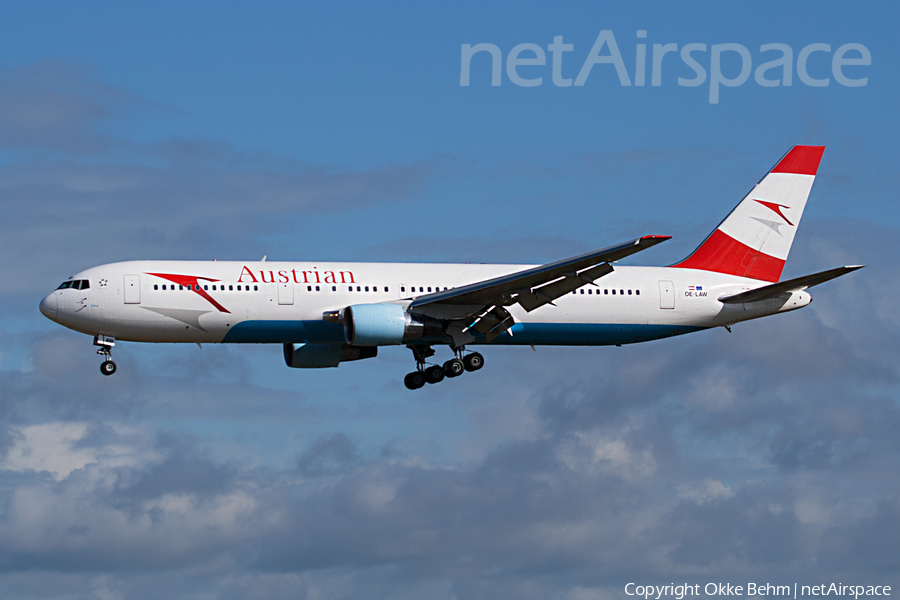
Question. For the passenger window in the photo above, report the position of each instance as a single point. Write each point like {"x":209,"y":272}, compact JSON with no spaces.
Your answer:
{"x":629,"y":292}
{"x":637,"y":292}
{"x":582,"y":292}
{"x":309,"y":288}
{"x":334,"y":288}
{"x":385,"y":288}
{"x":155,"y":287}
{"x":402,"y":289}
{"x":367,"y":288}
{"x":614,"y":292}
{"x":606,"y":292}
{"x":621,"y":292}
{"x":429,"y":289}
{"x":255,"y":288}
{"x":230,"y":288}
{"x":358,"y":289}
{"x":206,"y":287}
{"x":317,"y":288}
{"x":180,"y":287}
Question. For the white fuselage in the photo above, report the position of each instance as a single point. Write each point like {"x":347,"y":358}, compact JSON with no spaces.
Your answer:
{"x":284,"y":302}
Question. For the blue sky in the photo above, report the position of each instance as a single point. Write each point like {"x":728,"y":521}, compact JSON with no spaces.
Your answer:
{"x":340,"y":131}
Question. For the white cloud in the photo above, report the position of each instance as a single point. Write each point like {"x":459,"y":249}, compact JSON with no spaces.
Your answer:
{"x":704,"y":491}
{"x":53,"y":447}
{"x":595,"y":452}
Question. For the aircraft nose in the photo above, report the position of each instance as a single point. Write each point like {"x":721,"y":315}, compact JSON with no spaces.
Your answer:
{"x":49,"y":306}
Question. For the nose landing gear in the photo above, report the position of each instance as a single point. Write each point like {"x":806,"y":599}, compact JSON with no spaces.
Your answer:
{"x":105,"y":345}
{"x":434,"y":373}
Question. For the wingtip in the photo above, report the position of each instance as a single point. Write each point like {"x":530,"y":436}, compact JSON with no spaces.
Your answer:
{"x":654,"y":238}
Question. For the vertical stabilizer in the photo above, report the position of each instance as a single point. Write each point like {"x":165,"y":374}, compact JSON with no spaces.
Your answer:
{"x":755,"y":238}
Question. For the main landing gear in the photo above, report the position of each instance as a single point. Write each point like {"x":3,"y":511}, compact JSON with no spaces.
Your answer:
{"x":436,"y":373}
{"x":105,"y":344}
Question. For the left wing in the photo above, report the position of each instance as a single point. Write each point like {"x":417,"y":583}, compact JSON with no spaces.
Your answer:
{"x":532,"y":288}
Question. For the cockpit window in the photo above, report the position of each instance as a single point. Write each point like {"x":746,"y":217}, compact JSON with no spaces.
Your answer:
{"x":77,"y":284}
{"x":65,"y":284}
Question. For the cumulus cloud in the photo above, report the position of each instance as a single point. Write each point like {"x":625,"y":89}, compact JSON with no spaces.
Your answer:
{"x":768,"y":451}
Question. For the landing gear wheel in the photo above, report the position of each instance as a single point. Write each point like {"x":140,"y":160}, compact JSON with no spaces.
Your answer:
{"x":454,"y":367}
{"x":434,"y":374}
{"x":473,"y":362}
{"x":414,"y":380}
{"x":108,"y":367}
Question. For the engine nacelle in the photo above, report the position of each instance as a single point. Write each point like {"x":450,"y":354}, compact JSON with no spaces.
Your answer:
{"x":320,"y":356}
{"x":385,"y":325}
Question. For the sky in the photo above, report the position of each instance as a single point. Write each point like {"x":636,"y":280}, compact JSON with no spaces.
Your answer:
{"x":341,"y":131}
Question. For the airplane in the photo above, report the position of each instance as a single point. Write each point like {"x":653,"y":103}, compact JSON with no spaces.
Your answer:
{"x":325,"y":314}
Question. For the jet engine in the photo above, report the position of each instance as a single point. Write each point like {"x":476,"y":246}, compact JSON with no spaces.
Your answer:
{"x":320,"y":356}
{"x":385,"y":324}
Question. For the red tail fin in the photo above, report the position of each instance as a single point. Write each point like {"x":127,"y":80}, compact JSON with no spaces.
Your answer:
{"x":755,"y":238}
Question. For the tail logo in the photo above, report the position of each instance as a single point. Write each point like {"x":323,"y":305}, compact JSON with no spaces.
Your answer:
{"x":776,"y":208}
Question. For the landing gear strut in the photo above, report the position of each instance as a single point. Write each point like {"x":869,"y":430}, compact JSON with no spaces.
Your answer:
{"x":435,"y":374}
{"x":105,"y":345}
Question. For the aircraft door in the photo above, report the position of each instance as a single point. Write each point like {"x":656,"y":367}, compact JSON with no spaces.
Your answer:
{"x":666,"y":295}
{"x":132,"y":289}
{"x":286,"y":293}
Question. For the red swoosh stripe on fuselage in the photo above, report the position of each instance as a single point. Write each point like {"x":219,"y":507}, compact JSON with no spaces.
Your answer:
{"x":192,"y":283}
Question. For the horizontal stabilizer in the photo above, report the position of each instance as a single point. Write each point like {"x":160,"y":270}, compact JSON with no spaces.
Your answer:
{"x":785,"y":287}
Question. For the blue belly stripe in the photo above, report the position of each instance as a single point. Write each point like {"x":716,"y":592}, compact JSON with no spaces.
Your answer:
{"x":589,"y":334}
{"x":284,"y":332}
{"x":545,"y":334}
